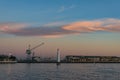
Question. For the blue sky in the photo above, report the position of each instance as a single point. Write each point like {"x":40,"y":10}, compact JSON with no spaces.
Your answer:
{"x":71,"y":25}
{"x":43,"y":11}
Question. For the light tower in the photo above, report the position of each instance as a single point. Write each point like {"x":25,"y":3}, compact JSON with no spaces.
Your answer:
{"x":58,"y":55}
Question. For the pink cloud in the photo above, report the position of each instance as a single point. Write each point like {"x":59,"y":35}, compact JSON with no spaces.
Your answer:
{"x":6,"y":27}
{"x":60,"y":29}
{"x":95,"y":25}
{"x":83,"y":26}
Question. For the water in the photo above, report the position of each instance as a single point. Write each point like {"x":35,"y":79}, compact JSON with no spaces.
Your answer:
{"x":46,"y":71}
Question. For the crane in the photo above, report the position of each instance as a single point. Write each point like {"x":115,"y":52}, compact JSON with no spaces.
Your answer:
{"x":29,"y":50}
{"x":37,"y":46}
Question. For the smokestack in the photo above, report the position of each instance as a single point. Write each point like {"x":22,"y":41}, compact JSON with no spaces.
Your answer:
{"x":58,"y":55}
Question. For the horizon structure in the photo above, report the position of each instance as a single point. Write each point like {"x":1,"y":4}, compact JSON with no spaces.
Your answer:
{"x":79,"y":27}
{"x":58,"y":55}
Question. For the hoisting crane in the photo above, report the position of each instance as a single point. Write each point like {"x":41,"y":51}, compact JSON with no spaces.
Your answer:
{"x":29,"y":50}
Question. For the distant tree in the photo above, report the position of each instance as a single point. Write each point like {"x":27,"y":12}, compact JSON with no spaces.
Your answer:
{"x":3,"y":57}
{"x":12,"y":57}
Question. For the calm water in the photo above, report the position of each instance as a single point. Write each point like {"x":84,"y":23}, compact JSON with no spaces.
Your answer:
{"x":62,"y":72}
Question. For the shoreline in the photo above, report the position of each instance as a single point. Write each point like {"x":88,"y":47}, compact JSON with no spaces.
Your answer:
{"x":68,"y":62}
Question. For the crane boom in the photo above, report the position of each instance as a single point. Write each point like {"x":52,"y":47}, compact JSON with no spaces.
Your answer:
{"x":37,"y":46}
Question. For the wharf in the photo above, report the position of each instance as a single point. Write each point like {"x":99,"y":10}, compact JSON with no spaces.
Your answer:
{"x":7,"y":62}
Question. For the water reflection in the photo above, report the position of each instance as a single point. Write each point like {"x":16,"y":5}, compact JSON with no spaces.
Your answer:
{"x":9,"y":69}
{"x":58,"y":65}
{"x":59,"y":72}
{"x":28,"y":71}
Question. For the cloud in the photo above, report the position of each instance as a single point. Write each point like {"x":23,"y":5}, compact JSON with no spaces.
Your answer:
{"x":63,"y":8}
{"x":48,"y":30}
{"x":60,"y":29}
{"x":42,"y":31}
{"x":53,"y":24}
{"x":83,"y":26}
{"x":4,"y":27}
{"x":95,"y":25}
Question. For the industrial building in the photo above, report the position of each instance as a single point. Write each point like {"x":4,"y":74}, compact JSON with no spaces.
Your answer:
{"x":91,"y":59}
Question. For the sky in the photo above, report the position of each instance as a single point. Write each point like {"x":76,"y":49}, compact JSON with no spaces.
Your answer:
{"x":76,"y":27}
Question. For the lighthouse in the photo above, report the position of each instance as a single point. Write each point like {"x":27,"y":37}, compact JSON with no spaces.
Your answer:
{"x":58,"y":55}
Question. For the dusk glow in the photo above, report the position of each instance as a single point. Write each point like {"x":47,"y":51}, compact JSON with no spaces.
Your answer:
{"x":76,"y":27}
